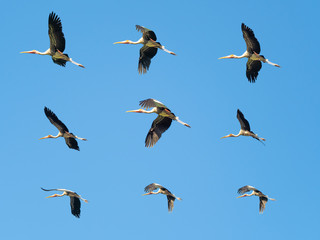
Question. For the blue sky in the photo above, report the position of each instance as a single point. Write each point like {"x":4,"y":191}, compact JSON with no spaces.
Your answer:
{"x":113,"y":166}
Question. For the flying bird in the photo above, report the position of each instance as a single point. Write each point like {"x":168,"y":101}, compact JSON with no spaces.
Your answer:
{"x":57,"y":43}
{"x":161,"y":123}
{"x":252,"y":53}
{"x":70,"y":138}
{"x":171,"y":197}
{"x":74,"y":199}
{"x":149,"y":48}
{"x":263,"y":198}
{"x":245,"y":128}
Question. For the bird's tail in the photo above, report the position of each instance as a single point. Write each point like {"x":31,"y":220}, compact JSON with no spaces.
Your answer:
{"x":259,"y":139}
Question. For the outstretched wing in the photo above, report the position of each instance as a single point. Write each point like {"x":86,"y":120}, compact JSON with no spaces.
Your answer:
{"x":247,"y":188}
{"x":57,"y":40}
{"x":151,"y":187}
{"x":252,"y":43}
{"x":151,"y":103}
{"x":75,"y":206}
{"x":146,"y":54}
{"x":57,"y":189}
{"x":252,"y":70}
{"x":243,"y":122}
{"x":170,"y":202}
{"x":159,"y":126}
{"x":72,"y":143}
{"x":262,"y":204}
{"x":55,"y":120}
{"x":147,"y":33}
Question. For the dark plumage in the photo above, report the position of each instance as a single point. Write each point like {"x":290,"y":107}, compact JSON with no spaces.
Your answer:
{"x":57,"y":40}
{"x":243,"y":122}
{"x":254,"y":64}
{"x":162,"y":190}
{"x":252,"y":43}
{"x":70,"y":138}
{"x":147,"y":34}
{"x":159,"y":126}
{"x":252,"y":70}
{"x":55,"y":120}
{"x":57,"y":43}
{"x":161,"y":123}
{"x":75,"y":203}
{"x":263,"y":199}
{"x":146,"y":54}
{"x":149,"y":48}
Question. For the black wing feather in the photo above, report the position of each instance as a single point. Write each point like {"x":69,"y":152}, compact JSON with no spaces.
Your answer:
{"x":253,"y":68}
{"x":151,"y":103}
{"x":159,"y":126}
{"x":252,"y":43}
{"x":146,"y":54}
{"x":75,"y":206}
{"x":262,"y":204}
{"x":243,"y":122}
{"x":72,"y":143}
{"x":247,"y":188}
{"x":57,"y":40}
{"x":147,"y":33}
{"x":60,"y":62}
{"x":170,"y":202}
{"x":55,"y":120}
{"x":151,"y":187}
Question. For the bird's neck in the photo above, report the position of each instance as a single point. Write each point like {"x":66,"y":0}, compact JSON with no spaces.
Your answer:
{"x":48,"y":52}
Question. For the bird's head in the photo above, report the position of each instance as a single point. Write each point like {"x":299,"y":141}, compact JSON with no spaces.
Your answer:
{"x":229,"y":56}
{"x":49,"y":136}
{"x":32,"y":51}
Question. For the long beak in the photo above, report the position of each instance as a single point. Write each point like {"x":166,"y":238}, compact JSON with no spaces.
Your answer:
{"x":122,"y":42}
{"x":272,"y":199}
{"x":136,"y":111}
{"x":147,"y":194}
{"x":27,"y":52}
{"x":224,"y":57}
{"x":225,"y":136}
{"x":241,"y":196}
{"x":51,"y":196}
{"x":44,"y":137}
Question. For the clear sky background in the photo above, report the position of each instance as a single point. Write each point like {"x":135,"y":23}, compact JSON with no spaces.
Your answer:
{"x":113,"y":166}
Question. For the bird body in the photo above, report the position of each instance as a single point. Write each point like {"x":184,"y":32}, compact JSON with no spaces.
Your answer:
{"x":161,"y":123}
{"x":149,"y":49}
{"x":75,"y":203}
{"x":245,"y":128}
{"x":161,"y":190}
{"x":70,"y":138}
{"x":255,"y":192}
{"x":252,"y":53}
{"x":57,"y":43}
